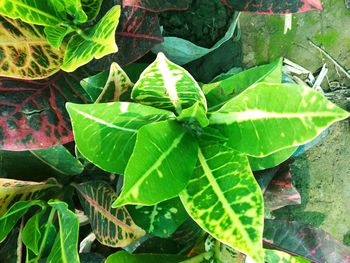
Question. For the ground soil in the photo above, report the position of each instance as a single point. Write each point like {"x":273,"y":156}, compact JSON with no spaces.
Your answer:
{"x":204,"y":23}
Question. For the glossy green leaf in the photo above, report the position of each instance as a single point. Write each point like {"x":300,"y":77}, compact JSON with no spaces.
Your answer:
{"x":160,"y":220}
{"x":218,"y":93}
{"x":65,"y":248}
{"x":56,"y":34}
{"x":125,"y":257}
{"x":105,"y":134}
{"x":194,"y":114}
{"x":117,"y":84}
{"x":60,"y":159}
{"x":91,"y":8}
{"x":165,"y":85}
{"x":15,"y":190}
{"x":259,"y":126}
{"x":93,"y":85}
{"x":31,"y":234}
{"x":271,"y":160}
{"x":225,"y":200}
{"x":71,"y":7}
{"x":276,"y":256}
{"x":94,"y":42}
{"x":160,"y":166}
{"x":112,"y":227}
{"x":32,"y":11}
{"x":25,"y":52}
{"x":13,"y":214}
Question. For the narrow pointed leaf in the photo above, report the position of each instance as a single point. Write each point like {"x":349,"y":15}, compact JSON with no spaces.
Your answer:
{"x":25,"y":52}
{"x":165,"y":154}
{"x":31,"y":233}
{"x":33,"y":114}
{"x":275,"y":7}
{"x":219,"y":92}
{"x":160,"y":220}
{"x":91,"y":8}
{"x":306,"y":241}
{"x":157,"y":6}
{"x":13,"y":190}
{"x":94,"y":42}
{"x":274,"y":256}
{"x":225,"y":200}
{"x":60,"y":159}
{"x":259,"y":126}
{"x":125,"y":257}
{"x":105,"y":134}
{"x":271,"y":160}
{"x":117,"y":84}
{"x":65,"y":248}
{"x":31,"y":11}
{"x":95,"y":84}
{"x":165,"y":85}
{"x":14,"y":213}
{"x":112,"y":226}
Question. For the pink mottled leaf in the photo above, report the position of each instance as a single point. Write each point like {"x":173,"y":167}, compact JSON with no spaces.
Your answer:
{"x":306,"y":241}
{"x":281,"y":192}
{"x":32,"y":112}
{"x":157,"y":5}
{"x":274,"y":6}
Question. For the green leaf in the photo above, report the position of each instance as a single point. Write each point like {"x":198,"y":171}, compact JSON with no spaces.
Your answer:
{"x":94,"y":85}
{"x":94,"y":42}
{"x":225,"y":200}
{"x":91,"y":8}
{"x":112,"y":227}
{"x":10,"y":218}
{"x":55,"y":35}
{"x":160,"y":166}
{"x":37,"y":12}
{"x":24,"y":51}
{"x":105,"y":134}
{"x":259,"y":126}
{"x":125,"y":257}
{"x":31,"y":234}
{"x":160,"y":220}
{"x":218,"y":93}
{"x":15,"y":190}
{"x":72,"y":8}
{"x":271,"y":160}
{"x":65,"y":248}
{"x":117,"y":84}
{"x":194,"y":114}
{"x":274,"y":256}
{"x":165,"y":85}
{"x":60,"y":159}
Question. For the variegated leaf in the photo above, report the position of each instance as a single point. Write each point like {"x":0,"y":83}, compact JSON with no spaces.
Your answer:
{"x":12,"y":191}
{"x":117,"y":84}
{"x":33,"y":114}
{"x":105,"y":133}
{"x":32,"y":11}
{"x":71,"y":8}
{"x":56,"y":34}
{"x":165,"y":85}
{"x":225,"y":200}
{"x":160,"y":220}
{"x":259,"y":126}
{"x":165,"y":154}
{"x":194,"y":115}
{"x":275,"y":256}
{"x":112,"y":226}
{"x":94,"y":42}
{"x":24,"y":51}
{"x":91,"y":8}
{"x":219,"y":92}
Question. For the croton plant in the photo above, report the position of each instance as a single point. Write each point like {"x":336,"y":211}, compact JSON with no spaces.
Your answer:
{"x":156,"y":167}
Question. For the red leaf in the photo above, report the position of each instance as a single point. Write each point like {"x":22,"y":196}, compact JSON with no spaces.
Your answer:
{"x":33,"y":114}
{"x":274,"y":6}
{"x":281,"y":192}
{"x":306,"y":241}
{"x":138,"y":32}
{"x":157,"y":5}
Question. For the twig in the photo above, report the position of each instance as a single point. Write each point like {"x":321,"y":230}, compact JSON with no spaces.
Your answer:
{"x":341,"y":68}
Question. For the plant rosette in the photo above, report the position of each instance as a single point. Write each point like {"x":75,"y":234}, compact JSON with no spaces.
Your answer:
{"x":201,"y":144}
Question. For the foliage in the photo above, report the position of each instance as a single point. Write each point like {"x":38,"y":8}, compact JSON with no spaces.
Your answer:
{"x":162,"y":168}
